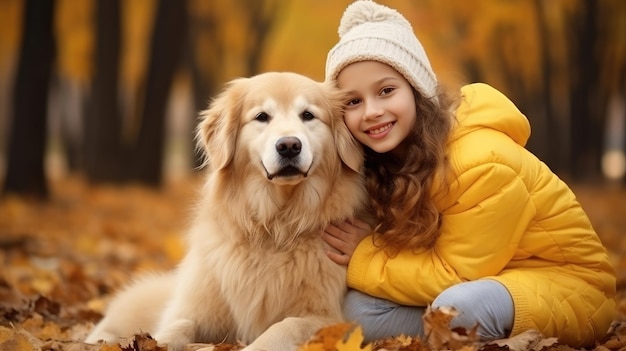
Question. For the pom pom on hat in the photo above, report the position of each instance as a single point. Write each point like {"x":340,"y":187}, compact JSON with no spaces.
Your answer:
{"x":360,"y":12}
{"x":370,"y":31}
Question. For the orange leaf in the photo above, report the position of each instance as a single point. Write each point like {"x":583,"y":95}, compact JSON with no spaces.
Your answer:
{"x":353,"y":341}
{"x":107,"y":347}
{"x":337,"y":337}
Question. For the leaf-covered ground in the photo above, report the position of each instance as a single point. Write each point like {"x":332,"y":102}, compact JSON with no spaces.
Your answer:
{"x":61,"y":260}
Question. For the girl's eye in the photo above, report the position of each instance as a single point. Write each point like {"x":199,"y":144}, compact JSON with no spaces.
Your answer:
{"x":386,"y":90}
{"x":262,"y":117}
{"x":353,"y":102}
{"x":307,"y":116}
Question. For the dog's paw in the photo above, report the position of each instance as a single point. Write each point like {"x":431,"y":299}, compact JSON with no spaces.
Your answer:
{"x":99,"y":336}
{"x":176,"y":334}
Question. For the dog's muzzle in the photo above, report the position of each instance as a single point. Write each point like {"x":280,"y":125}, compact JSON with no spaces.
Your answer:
{"x":288,"y":149}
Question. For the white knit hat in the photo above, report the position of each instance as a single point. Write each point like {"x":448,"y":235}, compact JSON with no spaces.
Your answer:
{"x":369,"y":31}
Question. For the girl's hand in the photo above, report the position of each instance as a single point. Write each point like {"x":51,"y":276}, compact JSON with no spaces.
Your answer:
{"x":343,"y":239}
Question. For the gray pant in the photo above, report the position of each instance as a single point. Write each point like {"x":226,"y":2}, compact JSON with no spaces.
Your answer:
{"x":486,"y":302}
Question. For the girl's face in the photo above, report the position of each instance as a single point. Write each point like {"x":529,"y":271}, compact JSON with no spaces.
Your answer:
{"x":380,"y":110}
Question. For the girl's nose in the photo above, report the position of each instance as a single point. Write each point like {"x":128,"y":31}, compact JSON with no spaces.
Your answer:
{"x":373,"y":110}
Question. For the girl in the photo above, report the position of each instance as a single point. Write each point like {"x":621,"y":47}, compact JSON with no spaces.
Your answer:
{"x":463,"y":215}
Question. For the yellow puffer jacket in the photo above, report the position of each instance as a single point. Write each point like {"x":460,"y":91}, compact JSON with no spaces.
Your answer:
{"x":506,"y":217}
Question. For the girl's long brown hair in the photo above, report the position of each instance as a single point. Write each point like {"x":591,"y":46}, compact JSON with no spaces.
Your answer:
{"x":400,"y":188}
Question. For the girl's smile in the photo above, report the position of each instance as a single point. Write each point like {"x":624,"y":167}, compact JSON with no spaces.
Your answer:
{"x":380,"y":132}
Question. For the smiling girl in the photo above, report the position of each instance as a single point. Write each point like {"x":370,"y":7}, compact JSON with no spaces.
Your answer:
{"x":463,"y":215}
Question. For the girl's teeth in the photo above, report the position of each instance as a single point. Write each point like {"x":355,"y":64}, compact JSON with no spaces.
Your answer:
{"x":381,"y":129}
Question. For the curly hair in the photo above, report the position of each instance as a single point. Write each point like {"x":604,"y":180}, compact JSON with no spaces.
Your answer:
{"x":400,"y":187}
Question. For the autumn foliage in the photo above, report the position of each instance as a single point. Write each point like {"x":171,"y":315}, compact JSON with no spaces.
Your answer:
{"x":61,"y":261}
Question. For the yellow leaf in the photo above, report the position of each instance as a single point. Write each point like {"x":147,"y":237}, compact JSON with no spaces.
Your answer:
{"x":15,"y":340}
{"x":107,"y":347}
{"x":337,"y":337}
{"x":326,"y":338}
{"x":312,"y":347}
{"x":5,"y":334}
{"x":354,"y":341}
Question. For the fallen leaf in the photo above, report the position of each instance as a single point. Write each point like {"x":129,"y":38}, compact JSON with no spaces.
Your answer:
{"x":530,"y":340}
{"x":400,"y":343}
{"x":107,"y":347}
{"x":17,"y":343}
{"x":438,"y":334}
{"x":326,"y":338}
{"x":337,"y":337}
{"x":354,"y":341}
{"x":141,"y":342}
{"x":18,"y":339}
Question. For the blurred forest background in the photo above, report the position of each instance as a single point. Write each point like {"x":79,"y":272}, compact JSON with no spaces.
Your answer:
{"x":110,"y":89}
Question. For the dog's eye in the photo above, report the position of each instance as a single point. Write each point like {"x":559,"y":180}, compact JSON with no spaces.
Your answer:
{"x":307,"y":116}
{"x":262,"y":117}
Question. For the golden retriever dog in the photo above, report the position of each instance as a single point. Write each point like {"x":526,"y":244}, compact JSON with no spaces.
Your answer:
{"x":281,"y":166}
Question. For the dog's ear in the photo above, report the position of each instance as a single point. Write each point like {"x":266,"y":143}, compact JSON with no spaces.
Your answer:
{"x":350,"y":151}
{"x":217,"y":130}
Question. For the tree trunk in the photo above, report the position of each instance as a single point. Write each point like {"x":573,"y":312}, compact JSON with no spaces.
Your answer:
{"x":261,"y":17}
{"x":586,"y":119}
{"x":102,"y":124}
{"x":551,"y":141}
{"x":203,"y":74}
{"x":168,"y":38}
{"x":26,"y":150}
{"x":201,"y":91}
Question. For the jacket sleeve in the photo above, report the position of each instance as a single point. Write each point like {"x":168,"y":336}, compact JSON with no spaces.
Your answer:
{"x":491,"y":209}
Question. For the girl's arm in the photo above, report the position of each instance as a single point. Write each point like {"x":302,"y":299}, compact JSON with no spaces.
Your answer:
{"x":480,"y":234}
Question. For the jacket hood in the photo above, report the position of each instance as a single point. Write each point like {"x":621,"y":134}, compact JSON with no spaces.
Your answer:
{"x":485,"y":107}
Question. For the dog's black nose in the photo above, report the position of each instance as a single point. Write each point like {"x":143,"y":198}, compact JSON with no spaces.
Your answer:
{"x":289,"y":147}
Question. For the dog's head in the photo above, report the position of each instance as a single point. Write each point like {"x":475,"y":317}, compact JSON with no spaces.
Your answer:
{"x":280,"y":123}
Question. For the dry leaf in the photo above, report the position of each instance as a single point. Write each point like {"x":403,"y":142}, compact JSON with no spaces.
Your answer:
{"x":354,"y":341}
{"x":530,"y":340}
{"x":141,"y":342}
{"x":326,"y":338}
{"x":337,"y":337}
{"x":12,"y":339}
{"x":439,"y":336}
{"x":107,"y":347}
{"x":400,"y":343}
{"x":17,"y":343}
{"x":616,"y":339}
{"x":72,"y":346}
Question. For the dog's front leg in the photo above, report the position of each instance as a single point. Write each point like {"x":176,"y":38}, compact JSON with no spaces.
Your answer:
{"x":178,"y":324}
{"x":192,"y":318}
{"x":288,"y":334}
{"x":196,"y":312}
{"x":176,"y":334}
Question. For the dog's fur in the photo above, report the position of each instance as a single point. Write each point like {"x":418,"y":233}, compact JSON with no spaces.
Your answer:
{"x":281,"y":166}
